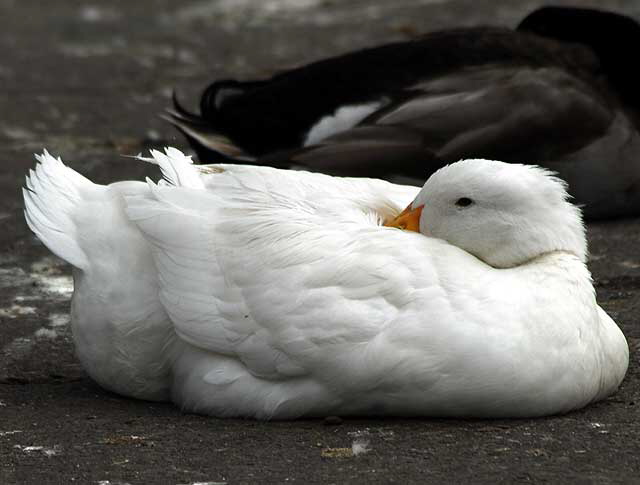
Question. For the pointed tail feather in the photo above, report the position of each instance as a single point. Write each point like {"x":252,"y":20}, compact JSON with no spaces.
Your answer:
{"x":177,"y":168}
{"x":201,"y":134}
{"x":65,"y":209}
{"x":52,"y":194}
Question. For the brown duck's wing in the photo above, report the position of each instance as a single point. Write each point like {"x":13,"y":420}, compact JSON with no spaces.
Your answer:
{"x":523,"y":115}
{"x":393,"y":153}
{"x":277,"y":113}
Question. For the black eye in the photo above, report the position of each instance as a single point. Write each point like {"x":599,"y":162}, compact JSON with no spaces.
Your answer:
{"x":464,"y":202}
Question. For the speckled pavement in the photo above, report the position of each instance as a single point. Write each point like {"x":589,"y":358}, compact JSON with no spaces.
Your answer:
{"x":86,"y":80}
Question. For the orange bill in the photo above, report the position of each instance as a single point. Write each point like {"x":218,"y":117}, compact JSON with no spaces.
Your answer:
{"x":408,"y":219}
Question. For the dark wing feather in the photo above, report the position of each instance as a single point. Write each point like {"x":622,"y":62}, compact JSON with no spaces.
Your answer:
{"x":366,"y":151}
{"x":268,"y":115}
{"x":532,"y":116}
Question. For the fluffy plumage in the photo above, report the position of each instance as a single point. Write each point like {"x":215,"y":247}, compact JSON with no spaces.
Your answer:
{"x":253,"y":291}
{"x":555,"y":92}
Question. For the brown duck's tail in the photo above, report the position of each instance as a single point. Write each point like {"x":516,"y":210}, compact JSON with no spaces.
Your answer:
{"x":210,"y":145}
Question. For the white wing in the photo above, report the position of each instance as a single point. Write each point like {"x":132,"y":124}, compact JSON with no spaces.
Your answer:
{"x":281,"y":268}
{"x":326,"y":191}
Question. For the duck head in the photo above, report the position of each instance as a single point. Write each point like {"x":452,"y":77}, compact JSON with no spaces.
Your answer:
{"x":504,"y":214}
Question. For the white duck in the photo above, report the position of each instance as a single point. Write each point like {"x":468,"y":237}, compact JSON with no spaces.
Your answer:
{"x":253,"y":291}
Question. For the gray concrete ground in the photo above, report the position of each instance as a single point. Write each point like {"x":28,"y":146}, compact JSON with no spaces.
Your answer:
{"x":86,"y":80}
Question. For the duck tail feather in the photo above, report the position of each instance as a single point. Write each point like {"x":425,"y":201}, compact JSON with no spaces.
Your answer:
{"x":177,"y":168}
{"x":177,"y":106}
{"x":201,"y":134}
{"x":52,"y":197}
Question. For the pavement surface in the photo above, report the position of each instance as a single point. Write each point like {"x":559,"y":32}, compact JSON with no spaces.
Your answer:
{"x":86,"y":80}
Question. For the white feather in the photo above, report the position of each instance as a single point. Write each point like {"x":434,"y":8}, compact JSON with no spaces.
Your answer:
{"x":52,"y":193}
{"x":344,"y":118}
